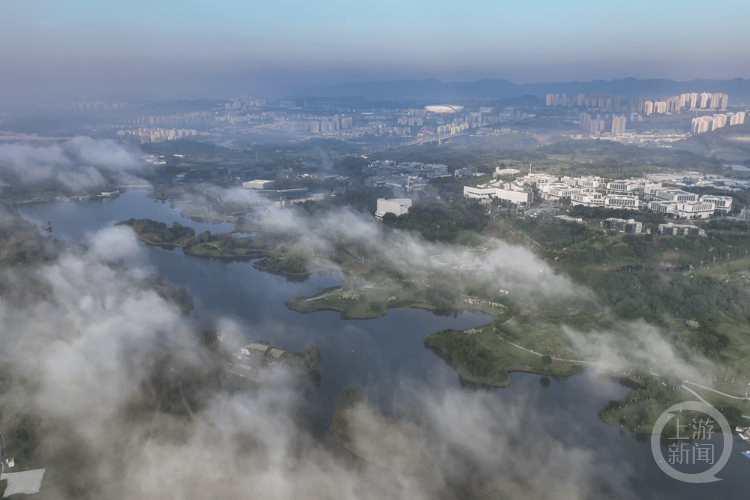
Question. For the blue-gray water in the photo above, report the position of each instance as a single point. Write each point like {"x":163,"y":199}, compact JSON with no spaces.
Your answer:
{"x":381,"y":353}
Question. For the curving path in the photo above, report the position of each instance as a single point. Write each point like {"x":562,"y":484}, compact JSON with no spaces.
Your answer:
{"x":696,"y":395}
{"x":718,"y":392}
{"x":620,"y":368}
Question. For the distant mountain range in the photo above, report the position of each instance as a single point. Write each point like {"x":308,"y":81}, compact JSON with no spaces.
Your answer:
{"x":434,"y":90}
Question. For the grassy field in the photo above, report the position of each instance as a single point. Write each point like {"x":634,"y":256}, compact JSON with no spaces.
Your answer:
{"x":503,"y":357}
{"x":640,"y":410}
{"x":365,"y":298}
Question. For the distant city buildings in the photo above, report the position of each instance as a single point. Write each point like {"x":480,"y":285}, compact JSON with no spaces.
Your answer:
{"x":701,"y":124}
{"x":412,"y":121}
{"x":146,"y":135}
{"x":593,"y":126}
{"x":99,"y":106}
{"x":660,"y":105}
{"x":618,"y":125}
{"x":597,"y":125}
{"x":453,"y":128}
{"x":331,"y":124}
{"x":176,"y":120}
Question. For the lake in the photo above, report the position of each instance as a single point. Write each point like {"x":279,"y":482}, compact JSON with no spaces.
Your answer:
{"x":381,"y":354}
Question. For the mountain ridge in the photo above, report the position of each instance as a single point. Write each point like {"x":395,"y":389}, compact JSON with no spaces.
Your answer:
{"x":432,"y":89}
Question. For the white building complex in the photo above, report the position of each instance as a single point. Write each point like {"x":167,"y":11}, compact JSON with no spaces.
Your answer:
{"x":397,"y":206}
{"x":701,"y":124}
{"x":592,"y":191}
{"x":506,"y":191}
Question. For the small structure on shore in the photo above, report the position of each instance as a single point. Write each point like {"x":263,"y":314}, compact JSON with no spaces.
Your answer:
{"x":263,"y":352}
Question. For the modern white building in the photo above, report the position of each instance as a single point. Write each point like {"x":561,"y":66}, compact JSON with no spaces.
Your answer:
{"x":667,"y":194}
{"x":558,"y":190}
{"x":723,"y":203}
{"x":625,"y":186}
{"x":506,"y":171}
{"x":396,"y":206}
{"x":663,"y":207}
{"x":507,"y":192}
{"x":513,"y":195}
{"x":257,"y":184}
{"x":479,"y":193}
{"x":588,"y":182}
{"x":683,"y":210}
{"x":621,"y":201}
{"x":588,"y":199}
{"x":538,"y":179}
{"x":695,"y":210}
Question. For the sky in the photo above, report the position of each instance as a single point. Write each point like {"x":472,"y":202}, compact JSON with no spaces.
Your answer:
{"x":91,"y":48}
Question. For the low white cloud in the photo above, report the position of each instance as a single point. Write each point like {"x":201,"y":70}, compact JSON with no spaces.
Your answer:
{"x":78,"y":164}
{"x":96,"y":346}
{"x":636,"y":345}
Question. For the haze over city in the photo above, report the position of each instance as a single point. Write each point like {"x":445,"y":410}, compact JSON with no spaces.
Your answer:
{"x":89,"y":49}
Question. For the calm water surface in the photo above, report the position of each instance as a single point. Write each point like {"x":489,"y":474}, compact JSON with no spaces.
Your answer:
{"x":382,"y":353}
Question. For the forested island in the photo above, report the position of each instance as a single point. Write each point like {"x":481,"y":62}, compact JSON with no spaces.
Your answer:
{"x":269,"y":247}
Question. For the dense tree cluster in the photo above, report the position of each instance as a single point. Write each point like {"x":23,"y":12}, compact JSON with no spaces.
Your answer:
{"x":635,"y":294}
{"x":441,"y":223}
{"x":463,"y":350}
{"x":650,"y":220}
{"x":554,"y":234}
{"x":290,"y":264}
{"x":160,"y":230}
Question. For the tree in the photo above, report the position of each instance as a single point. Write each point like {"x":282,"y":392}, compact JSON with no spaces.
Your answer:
{"x":311,"y":355}
{"x":389,"y":218}
{"x":546,"y":360}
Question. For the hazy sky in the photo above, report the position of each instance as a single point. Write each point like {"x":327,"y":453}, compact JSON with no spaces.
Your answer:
{"x":89,"y":48}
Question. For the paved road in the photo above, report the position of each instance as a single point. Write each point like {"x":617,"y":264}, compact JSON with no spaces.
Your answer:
{"x":562,"y":359}
{"x":696,"y":395}
{"x":718,"y":392}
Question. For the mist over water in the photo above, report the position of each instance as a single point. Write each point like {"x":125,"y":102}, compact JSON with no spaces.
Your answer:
{"x":527,"y":440}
